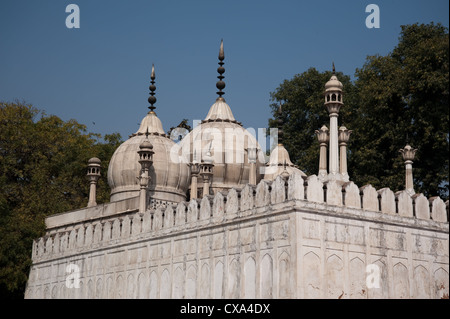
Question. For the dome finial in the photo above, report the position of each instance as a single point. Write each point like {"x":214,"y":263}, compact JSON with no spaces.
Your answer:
{"x":334,"y":69}
{"x":152,"y":98}
{"x":221,"y":52}
{"x":221,"y":70}
{"x":280,"y":124}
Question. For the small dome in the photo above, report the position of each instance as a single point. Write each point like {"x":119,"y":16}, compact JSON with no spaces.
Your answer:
{"x":146,"y":144}
{"x":94,"y":160}
{"x":279,"y":162}
{"x":333,"y":83}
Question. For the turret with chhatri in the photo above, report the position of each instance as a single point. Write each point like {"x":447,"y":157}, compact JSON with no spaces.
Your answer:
{"x":333,"y":103}
{"x":323,"y":136}
{"x":206,"y":170}
{"x":337,"y":138}
{"x":146,"y":160}
{"x":93,"y":175}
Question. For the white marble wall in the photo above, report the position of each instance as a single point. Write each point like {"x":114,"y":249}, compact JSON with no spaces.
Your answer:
{"x":276,"y":240}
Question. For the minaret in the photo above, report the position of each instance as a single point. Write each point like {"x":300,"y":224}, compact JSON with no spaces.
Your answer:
{"x":408,"y":154}
{"x":252,"y":155}
{"x":323,"y":135}
{"x":333,"y":103}
{"x":206,"y":170}
{"x":93,"y":175}
{"x":195,"y":171}
{"x":146,"y":160}
{"x":344,"y":136}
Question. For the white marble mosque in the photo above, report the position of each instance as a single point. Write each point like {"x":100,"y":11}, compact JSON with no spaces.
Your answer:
{"x":210,"y":218}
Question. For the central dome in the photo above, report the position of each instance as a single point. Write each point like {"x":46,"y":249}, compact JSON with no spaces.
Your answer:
{"x":228,"y":142}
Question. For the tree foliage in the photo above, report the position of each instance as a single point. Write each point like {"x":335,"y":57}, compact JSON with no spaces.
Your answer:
{"x":43,"y":164}
{"x":180,"y":130}
{"x":396,"y":99}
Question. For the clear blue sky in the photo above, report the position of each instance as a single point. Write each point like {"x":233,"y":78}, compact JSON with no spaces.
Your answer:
{"x":100,"y":73}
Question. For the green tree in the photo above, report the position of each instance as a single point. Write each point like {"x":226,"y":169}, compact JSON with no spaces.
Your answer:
{"x":398,"y":98}
{"x":403,"y":97}
{"x":43,"y":164}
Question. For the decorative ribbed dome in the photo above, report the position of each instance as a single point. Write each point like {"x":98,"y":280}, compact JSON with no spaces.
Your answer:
{"x":280,"y":161}
{"x":333,"y":83}
{"x":228,"y":142}
{"x":169,"y":180}
{"x":94,"y":160}
{"x":146,"y":145}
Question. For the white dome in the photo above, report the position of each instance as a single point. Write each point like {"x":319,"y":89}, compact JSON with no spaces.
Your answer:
{"x":278,"y":162}
{"x":228,"y":142}
{"x":333,"y":84}
{"x":169,"y":180}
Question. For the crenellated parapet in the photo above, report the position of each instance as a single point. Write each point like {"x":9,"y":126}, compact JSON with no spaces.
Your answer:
{"x":101,"y":226}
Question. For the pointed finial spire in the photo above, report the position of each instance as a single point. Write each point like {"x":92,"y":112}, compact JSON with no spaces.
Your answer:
{"x":152,"y":98}
{"x":334,"y":69}
{"x":280,"y":124}
{"x":221,"y":52}
{"x":221,"y":70}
